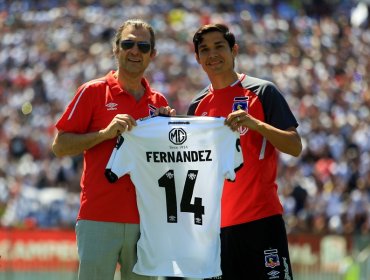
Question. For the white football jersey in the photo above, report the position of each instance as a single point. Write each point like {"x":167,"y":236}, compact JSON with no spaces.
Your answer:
{"x":178,"y":166}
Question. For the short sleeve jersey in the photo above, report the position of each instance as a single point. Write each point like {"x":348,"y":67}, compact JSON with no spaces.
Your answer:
{"x":93,"y":107}
{"x":255,"y":196}
{"x":178,"y":166}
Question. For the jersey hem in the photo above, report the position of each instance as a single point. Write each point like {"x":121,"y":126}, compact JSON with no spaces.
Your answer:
{"x":252,"y":220}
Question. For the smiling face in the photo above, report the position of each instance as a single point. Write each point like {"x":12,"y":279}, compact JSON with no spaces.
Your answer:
{"x":215,"y":55}
{"x":132,"y":61}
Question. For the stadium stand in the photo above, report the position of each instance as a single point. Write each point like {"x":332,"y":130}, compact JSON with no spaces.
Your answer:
{"x":317,"y":52}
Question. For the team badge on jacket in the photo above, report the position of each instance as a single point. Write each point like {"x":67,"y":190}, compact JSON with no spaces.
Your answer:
{"x":241,"y":103}
{"x":151,"y":110}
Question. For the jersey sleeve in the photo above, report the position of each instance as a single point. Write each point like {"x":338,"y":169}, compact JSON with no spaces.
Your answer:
{"x":276,"y":108}
{"x":234,"y":157}
{"x":120,"y":161}
{"x":77,"y":116}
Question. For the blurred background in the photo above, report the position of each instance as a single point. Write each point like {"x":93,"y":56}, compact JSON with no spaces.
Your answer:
{"x":316,"y":52}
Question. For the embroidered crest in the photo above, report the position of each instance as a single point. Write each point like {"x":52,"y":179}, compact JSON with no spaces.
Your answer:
{"x":271,"y":258}
{"x":241,"y":103}
{"x":151,"y":110}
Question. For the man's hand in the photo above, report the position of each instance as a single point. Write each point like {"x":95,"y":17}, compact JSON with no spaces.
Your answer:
{"x":168,"y":111}
{"x":240,"y":118}
{"x":119,"y":124}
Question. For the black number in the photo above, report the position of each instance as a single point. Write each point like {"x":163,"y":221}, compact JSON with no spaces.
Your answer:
{"x":167,"y":181}
{"x":197,"y":208}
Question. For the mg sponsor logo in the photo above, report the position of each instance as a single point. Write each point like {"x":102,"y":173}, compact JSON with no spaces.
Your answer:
{"x":177,"y":136}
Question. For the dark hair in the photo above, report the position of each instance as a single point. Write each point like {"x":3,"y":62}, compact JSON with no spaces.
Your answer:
{"x":218,"y":27}
{"x":137,"y":23}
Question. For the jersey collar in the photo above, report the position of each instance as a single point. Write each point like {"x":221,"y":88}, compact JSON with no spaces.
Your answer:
{"x":116,"y":88}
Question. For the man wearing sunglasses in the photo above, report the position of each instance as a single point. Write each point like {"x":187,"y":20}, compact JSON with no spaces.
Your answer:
{"x":107,"y":227}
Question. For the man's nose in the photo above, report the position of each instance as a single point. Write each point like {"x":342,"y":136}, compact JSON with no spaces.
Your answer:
{"x":135,"y":49}
{"x":213,"y":52}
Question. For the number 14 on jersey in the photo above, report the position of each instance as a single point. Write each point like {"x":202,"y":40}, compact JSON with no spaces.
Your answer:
{"x":167,"y":181}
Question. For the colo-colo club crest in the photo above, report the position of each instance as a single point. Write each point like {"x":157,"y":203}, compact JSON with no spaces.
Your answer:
{"x":241,"y":103}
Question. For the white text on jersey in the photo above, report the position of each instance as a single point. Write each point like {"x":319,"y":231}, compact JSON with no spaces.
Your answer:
{"x":180,"y":156}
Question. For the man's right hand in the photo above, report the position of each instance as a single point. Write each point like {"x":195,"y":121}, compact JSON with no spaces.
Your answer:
{"x":119,"y":124}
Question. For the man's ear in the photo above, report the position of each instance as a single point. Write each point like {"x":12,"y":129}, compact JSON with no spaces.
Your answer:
{"x":235,"y":50}
{"x":153,"y":53}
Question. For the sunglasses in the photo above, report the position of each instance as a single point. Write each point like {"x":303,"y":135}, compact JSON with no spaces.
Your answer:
{"x":143,"y":46}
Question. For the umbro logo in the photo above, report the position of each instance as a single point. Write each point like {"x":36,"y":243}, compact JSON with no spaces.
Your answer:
{"x":273,"y":274}
{"x":111,"y":106}
{"x":172,"y":219}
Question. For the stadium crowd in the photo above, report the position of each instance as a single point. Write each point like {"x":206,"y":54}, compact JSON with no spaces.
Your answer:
{"x":317,"y":52}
